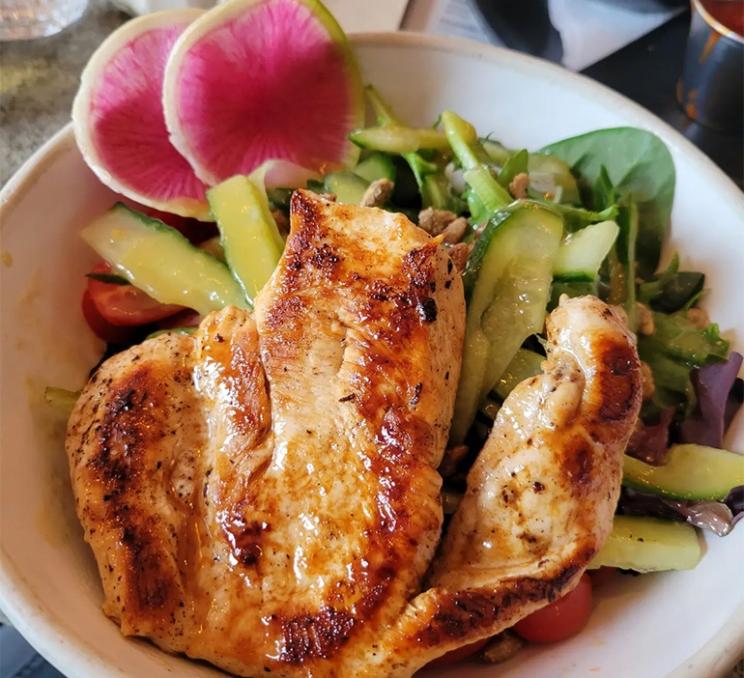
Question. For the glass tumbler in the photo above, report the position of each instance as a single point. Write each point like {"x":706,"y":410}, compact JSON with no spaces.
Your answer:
{"x":24,"y":19}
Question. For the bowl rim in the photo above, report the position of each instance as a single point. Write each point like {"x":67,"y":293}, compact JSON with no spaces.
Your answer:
{"x":73,"y":654}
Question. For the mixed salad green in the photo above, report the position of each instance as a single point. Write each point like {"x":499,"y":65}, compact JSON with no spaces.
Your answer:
{"x":585,"y":215}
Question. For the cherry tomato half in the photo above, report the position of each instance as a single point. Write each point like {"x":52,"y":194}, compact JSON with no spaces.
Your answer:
{"x":559,"y":620}
{"x":125,"y":305}
{"x":111,"y":334}
{"x":460,"y":654}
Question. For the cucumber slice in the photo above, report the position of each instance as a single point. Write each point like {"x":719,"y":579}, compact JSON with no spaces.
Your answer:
{"x":399,"y":139}
{"x":691,"y":472}
{"x":249,"y":235}
{"x":582,"y":253}
{"x":496,"y":151}
{"x":61,"y":399}
{"x":575,"y":288}
{"x":524,"y":364}
{"x":550,"y":174}
{"x":508,"y":282}
{"x":376,"y":166}
{"x":346,"y":186}
{"x":160,"y":261}
{"x":649,"y":545}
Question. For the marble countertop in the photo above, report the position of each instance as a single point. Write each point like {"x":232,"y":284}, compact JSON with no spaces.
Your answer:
{"x":39,"y":79}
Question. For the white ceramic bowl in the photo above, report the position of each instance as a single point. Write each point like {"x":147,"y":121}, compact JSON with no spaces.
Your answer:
{"x":686,"y":623}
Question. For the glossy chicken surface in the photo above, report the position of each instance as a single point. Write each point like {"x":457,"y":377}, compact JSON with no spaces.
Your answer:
{"x":540,"y":496}
{"x":264,"y":494}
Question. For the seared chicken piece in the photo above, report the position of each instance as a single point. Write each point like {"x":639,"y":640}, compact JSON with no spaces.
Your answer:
{"x":264,"y":494}
{"x":540,"y":497}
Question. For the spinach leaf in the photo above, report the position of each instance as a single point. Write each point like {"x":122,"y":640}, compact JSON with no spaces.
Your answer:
{"x":678,"y":338}
{"x":673,"y":386}
{"x":639,"y":165}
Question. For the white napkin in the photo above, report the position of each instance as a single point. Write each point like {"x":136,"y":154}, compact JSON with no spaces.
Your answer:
{"x":590,"y":30}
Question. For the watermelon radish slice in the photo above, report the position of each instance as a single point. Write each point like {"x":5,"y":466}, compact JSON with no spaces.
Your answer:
{"x":253,"y":80}
{"x":118,"y":117}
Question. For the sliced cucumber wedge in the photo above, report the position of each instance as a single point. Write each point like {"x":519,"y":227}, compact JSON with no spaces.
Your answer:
{"x":549,"y":174}
{"x":249,"y":235}
{"x":159,"y":260}
{"x":61,"y":399}
{"x":348,"y":187}
{"x":691,"y":472}
{"x":574,"y":288}
{"x":508,"y":283}
{"x":649,"y":545}
{"x":376,"y":166}
{"x":524,"y":365}
{"x":582,"y":253}
{"x":399,"y":139}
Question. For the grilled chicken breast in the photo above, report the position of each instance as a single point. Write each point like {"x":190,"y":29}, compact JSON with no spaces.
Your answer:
{"x":264,"y":494}
{"x":540,"y":496}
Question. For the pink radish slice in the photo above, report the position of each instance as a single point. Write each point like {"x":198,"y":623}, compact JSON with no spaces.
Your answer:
{"x":254,"y":80}
{"x":119,"y":122}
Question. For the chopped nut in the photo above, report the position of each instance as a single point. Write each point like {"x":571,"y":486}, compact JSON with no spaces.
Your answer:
{"x":647,"y":381}
{"x":435,"y":221}
{"x":377,"y":193}
{"x":452,"y":457}
{"x":698,"y":317}
{"x":519,"y":184}
{"x":502,"y":647}
{"x":282,"y":223}
{"x":645,"y":319}
{"x":455,"y":230}
{"x":459,"y":254}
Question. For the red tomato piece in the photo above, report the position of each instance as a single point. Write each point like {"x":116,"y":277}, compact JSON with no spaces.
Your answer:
{"x":460,"y":654}
{"x":125,"y":304}
{"x":111,"y":334}
{"x":186,"y":318}
{"x":559,"y":620}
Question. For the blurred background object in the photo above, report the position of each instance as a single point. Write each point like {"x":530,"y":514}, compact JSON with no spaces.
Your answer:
{"x":146,"y":6}
{"x":714,"y":63}
{"x":23,"y":19}
{"x":637,"y":47}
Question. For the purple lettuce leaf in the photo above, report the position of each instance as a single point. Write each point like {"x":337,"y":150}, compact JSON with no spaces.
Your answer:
{"x":633,"y":503}
{"x":708,"y":515}
{"x":735,"y":499}
{"x":650,"y":442}
{"x":716,"y":516}
{"x":719,"y":396}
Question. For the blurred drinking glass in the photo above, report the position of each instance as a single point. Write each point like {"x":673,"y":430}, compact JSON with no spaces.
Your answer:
{"x":24,"y":19}
{"x":710,"y":89}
